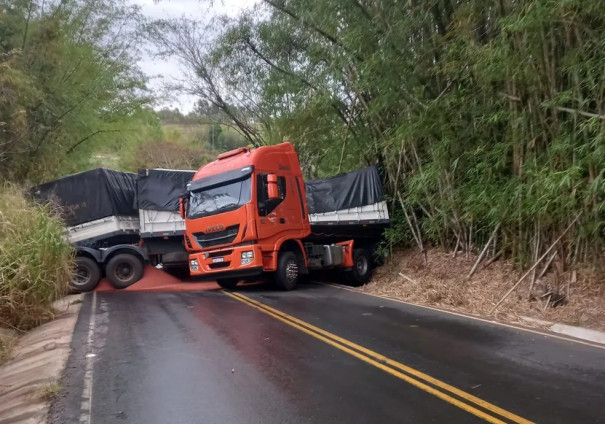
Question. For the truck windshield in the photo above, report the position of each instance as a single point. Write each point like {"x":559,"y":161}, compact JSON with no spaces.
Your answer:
{"x":223,"y":198}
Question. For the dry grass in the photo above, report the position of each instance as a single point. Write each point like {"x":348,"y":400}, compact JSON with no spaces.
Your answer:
{"x":8,"y":340}
{"x":49,"y":391}
{"x":443,"y":283}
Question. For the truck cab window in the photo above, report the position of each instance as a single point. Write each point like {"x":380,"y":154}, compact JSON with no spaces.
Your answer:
{"x":266,"y":206}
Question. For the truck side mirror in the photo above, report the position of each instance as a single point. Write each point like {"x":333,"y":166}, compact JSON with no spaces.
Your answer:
{"x":183,"y":207}
{"x":272,"y":188}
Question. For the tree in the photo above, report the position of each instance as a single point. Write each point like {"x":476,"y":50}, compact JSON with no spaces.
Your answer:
{"x":71,"y":83}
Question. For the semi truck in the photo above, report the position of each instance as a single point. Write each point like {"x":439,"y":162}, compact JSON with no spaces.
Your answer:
{"x":249,"y":215}
{"x":119,"y":221}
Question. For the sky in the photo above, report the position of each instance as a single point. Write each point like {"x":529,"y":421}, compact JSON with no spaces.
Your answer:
{"x":161,"y":70}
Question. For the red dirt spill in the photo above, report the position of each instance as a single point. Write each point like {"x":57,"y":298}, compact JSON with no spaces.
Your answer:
{"x":158,"y":280}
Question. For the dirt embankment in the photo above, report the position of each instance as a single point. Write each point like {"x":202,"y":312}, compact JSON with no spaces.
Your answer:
{"x":442,"y":282}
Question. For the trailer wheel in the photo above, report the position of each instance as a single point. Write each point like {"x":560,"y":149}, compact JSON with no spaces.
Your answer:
{"x":228,"y":283}
{"x":124,"y":270}
{"x":362,"y":269}
{"x":288,"y":271}
{"x":87,"y":275}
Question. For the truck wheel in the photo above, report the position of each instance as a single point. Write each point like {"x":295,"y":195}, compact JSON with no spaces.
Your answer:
{"x":362,"y":270}
{"x":86,"y":275}
{"x":124,"y":270}
{"x":288,"y":271}
{"x":228,"y":283}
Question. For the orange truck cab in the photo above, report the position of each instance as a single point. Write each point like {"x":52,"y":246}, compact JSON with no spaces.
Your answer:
{"x":246,"y":215}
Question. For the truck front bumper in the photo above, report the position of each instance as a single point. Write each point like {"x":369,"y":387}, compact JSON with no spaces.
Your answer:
{"x":239,"y":261}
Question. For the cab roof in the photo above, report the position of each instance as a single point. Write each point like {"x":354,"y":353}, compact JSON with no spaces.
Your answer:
{"x":260,"y":158}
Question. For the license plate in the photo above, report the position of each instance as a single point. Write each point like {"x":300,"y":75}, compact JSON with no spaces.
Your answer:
{"x":218,"y":259}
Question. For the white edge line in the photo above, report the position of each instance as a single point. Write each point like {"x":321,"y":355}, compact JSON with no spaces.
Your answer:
{"x":503,"y":324}
{"x":86,"y":399}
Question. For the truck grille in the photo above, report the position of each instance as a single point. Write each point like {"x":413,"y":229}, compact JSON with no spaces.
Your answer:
{"x":218,"y":237}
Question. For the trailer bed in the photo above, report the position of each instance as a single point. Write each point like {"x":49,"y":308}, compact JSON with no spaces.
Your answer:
{"x":160,"y":223}
{"x":368,"y":214}
{"x":107,"y":229}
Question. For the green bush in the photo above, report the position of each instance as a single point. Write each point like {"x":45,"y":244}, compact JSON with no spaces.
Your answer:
{"x":35,"y":261}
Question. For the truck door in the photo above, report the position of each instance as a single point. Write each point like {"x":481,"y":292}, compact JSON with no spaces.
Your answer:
{"x":271,"y":219}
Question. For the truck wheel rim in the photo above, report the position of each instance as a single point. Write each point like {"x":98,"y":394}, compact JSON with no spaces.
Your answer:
{"x":81,"y":276}
{"x":362,"y":265}
{"x":124,"y":272}
{"x":291,"y":271}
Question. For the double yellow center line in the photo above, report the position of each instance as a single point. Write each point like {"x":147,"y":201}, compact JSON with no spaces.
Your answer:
{"x":463,"y":400}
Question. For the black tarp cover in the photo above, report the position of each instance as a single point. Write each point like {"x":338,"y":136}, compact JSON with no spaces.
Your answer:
{"x":160,"y":189}
{"x":90,"y":195}
{"x":344,"y":191}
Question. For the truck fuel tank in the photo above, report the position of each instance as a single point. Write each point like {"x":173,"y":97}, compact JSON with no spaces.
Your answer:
{"x":324,"y":256}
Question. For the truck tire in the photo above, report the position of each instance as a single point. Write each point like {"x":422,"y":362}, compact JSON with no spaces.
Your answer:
{"x":362,"y":270}
{"x":288,"y":271}
{"x":87,"y":275}
{"x":124,"y":270}
{"x":228,"y":283}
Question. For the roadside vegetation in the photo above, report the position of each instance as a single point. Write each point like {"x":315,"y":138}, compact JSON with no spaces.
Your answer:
{"x":185,"y":142}
{"x":48,"y":392}
{"x":35,"y":261}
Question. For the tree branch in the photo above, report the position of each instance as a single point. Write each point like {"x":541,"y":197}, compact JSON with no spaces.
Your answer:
{"x":71,"y":149}
{"x":314,"y":27}
{"x":563,"y":109}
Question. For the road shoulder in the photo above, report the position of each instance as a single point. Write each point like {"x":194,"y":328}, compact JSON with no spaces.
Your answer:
{"x":443,"y":280}
{"x":31,"y":378}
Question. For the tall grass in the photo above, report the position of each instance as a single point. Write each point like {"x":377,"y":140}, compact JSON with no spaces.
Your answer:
{"x":7,"y":343}
{"x":35,"y":261}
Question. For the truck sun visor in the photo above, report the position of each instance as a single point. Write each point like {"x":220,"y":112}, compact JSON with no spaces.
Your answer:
{"x":91,"y":195}
{"x":215,"y":180}
{"x":160,"y":189}
{"x":352,"y":189}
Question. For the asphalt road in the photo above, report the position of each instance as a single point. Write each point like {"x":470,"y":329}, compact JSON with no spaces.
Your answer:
{"x":316,"y":355}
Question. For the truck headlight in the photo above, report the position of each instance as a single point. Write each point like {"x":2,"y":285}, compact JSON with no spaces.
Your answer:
{"x":247,"y":257}
{"x":194,"y":265}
